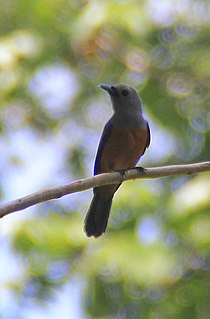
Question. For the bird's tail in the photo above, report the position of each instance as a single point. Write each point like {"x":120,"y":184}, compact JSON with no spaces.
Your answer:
{"x":97,"y":216}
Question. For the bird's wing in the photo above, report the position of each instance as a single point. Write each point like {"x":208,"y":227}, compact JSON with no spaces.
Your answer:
{"x":149,"y":135}
{"x":105,"y":135}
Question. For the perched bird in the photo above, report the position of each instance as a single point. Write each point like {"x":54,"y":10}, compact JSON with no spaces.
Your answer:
{"x":124,"y":140}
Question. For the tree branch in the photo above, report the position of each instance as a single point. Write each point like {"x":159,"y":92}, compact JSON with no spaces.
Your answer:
{"x":99,"y":180}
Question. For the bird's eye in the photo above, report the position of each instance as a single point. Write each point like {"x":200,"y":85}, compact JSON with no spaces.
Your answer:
{"x":125,"y":92}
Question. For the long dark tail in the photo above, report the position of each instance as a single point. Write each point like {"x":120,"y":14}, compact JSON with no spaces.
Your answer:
{"x":97,"y":216}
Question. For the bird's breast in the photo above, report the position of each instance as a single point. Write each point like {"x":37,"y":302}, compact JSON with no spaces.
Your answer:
{"x":123,"y":148}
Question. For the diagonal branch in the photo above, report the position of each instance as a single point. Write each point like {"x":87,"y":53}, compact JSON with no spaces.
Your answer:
{"x":99,"y":180}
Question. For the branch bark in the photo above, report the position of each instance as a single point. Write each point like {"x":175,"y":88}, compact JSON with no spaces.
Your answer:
{"x":99,"y":180}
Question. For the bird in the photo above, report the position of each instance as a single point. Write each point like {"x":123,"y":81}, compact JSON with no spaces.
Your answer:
{"x":124,"y":140}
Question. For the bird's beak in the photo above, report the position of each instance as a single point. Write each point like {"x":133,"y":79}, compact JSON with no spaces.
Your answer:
{"x":110,"y":89}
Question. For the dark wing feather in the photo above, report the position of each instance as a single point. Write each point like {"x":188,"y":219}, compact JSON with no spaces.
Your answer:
{"x":106,"y":133}
{"x":149,"y":136}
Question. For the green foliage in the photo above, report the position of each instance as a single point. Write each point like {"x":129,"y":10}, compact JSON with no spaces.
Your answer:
{"x":153,"y":262}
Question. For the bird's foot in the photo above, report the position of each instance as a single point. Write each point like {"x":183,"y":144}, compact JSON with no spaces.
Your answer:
{"x":141,"y":169}
{"x":121,"y":171}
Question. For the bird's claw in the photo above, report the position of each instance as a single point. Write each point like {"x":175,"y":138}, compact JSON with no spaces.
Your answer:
{"x":121,"y":171}
{"x":141,"y":169}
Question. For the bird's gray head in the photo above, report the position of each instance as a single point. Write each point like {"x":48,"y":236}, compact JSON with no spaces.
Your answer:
{"x":124,"y":98}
